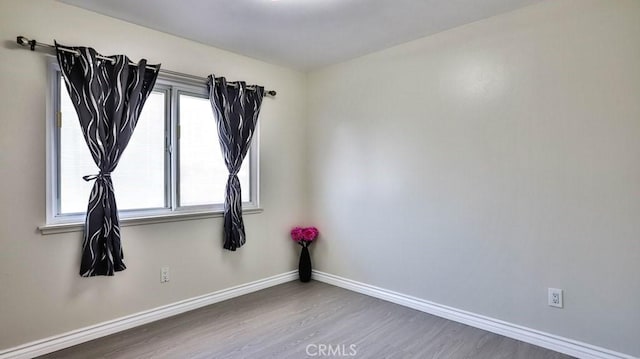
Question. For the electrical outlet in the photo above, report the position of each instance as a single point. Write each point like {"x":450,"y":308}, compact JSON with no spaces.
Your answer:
{"x":555,"y":297}
{"x":164,"y":274}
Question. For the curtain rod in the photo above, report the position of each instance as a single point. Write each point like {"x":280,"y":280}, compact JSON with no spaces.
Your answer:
{"x":32,"y":44}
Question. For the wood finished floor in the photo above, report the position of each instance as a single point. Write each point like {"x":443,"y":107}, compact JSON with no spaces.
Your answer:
{"x":280,"y":322}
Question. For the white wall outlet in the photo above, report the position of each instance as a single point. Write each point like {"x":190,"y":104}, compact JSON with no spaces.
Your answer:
{"x":555,"y":297}
{"x":164,"y":274}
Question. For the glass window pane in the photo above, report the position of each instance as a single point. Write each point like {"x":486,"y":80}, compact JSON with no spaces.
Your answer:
{"x":203,"y":174}
{"x":138,"y":179}
{"x":75,"y":160}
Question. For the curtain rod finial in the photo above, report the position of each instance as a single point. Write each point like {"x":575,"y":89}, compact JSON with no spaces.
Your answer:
{"x":271,"y":93}
{"x":23,"y":41}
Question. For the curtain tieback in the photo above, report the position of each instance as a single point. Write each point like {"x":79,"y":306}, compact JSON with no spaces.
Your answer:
{"x":100,"y":175}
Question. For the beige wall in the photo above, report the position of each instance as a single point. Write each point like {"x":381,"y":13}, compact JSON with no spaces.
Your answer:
{"x":41,"y":293}
{"x":480,"y":166}
{"x":473,"y":168}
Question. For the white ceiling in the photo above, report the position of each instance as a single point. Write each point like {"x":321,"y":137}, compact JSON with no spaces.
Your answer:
{"x":302,"y":34}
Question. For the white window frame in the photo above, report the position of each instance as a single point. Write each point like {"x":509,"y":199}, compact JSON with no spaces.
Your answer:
{"x":173,"y":86}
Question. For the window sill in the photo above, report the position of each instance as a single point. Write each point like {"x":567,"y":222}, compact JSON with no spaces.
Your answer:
{"x":138,"y":221}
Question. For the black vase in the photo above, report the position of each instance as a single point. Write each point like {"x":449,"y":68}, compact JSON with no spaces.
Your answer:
{"x":304,"y":267}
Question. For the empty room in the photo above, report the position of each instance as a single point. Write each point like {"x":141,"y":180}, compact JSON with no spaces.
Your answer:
{"x":320,"y":179}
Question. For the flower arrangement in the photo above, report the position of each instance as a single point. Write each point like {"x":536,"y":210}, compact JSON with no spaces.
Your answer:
{"x":304,"y":236}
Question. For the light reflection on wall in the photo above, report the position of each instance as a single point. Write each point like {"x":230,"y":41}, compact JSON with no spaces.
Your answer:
{"x":479,"y":78}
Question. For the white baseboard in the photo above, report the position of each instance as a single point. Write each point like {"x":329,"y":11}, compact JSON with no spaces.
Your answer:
{"x":528,"y":335}
{"x":535,"y":337}
{"x":58,"y":342}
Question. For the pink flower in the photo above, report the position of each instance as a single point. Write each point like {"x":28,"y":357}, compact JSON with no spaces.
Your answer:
{"x":296,"y":234}
{"x":304,"y":236}
{"x":310,"y":233}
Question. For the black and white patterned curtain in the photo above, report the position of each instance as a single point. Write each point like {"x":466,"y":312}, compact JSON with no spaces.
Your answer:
{"x":236,"y":110}
{"x":108,"y":96}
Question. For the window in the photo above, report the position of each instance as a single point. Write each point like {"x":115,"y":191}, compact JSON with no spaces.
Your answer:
{"x":173,"y":164}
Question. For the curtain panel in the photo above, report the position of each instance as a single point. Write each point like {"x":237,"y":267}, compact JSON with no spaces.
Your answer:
{"x":108,"y":96}
{"x":236,"y":111}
